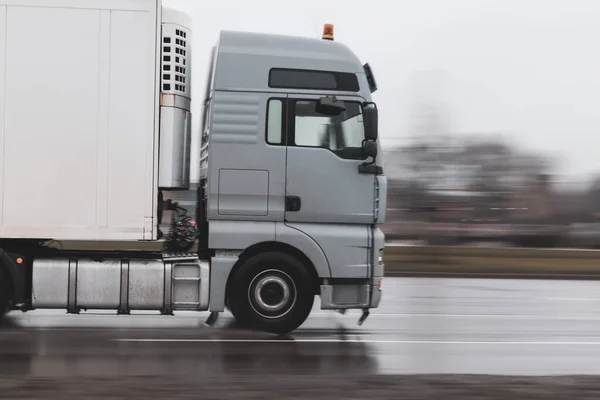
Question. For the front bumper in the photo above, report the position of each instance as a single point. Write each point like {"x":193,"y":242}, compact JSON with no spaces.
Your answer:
{"x":341,"y":295}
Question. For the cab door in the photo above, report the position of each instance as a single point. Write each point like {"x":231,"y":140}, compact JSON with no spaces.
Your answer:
{"x":324,"y":152}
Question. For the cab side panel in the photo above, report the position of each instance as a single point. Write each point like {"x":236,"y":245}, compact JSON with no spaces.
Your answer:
{"x":247,"y":176}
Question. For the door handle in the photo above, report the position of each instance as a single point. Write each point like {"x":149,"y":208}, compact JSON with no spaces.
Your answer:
{"x":292,"y":203}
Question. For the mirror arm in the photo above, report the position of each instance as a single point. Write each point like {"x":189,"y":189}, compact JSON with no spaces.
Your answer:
{"x":370,"y":168}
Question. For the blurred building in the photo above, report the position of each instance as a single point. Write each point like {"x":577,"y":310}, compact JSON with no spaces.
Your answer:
{"x":534,"y":201}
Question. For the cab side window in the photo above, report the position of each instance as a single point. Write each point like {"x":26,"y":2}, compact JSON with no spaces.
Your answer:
{"x":342,"y":134}
{"x":275,"y":121}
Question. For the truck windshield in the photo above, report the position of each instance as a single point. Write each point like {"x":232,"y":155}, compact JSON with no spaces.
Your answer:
{"x":343,"y":134}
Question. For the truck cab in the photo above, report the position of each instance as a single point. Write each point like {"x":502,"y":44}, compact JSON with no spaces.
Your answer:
{"x":291,"y":165}
{"x":292,"y":189}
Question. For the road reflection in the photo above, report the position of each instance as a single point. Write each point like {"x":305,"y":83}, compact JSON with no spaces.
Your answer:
{"x":85,"y":352}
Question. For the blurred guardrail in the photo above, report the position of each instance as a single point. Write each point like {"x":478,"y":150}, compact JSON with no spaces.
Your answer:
{"x":451,"y":259}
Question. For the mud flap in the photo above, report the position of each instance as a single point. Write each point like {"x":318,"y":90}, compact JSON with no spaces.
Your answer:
{"x":363,"y":317}
{"x":16,"y":274}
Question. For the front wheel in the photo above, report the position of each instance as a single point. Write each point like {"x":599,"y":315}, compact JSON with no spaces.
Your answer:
{"x":271,"y":292}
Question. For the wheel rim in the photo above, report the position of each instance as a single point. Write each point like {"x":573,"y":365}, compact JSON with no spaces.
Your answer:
{"x":272,"y":294}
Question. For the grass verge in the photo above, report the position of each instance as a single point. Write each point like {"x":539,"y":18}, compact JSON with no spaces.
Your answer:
{"x":491,"y":260}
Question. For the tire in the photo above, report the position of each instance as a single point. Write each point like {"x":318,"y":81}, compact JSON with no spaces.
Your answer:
{"x":5,"y":292}
{"x":285,"y":300}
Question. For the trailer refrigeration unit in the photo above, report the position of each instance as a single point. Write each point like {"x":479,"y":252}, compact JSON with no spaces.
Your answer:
{"x":95,"y":129}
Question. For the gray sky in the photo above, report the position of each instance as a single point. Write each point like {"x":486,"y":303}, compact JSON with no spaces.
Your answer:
{"x":526,"y":69}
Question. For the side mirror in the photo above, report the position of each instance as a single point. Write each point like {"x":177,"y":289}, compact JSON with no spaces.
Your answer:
{"x":370,"y":116}
{"x":370,"y":149}
{"x":330,"y":106}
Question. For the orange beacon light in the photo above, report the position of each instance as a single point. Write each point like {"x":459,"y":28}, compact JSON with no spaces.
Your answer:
{"x":328,"y":32}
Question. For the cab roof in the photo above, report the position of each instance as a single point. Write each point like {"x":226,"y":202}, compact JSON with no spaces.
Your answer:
{"x":245,"y":60}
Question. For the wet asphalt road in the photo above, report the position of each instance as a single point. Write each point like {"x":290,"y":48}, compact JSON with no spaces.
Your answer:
{"x":424,"y":326}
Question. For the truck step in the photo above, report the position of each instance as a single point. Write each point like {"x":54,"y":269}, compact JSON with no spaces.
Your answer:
{"x":179,"y":256}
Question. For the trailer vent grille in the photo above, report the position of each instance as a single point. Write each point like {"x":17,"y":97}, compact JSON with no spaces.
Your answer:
{"x":175,"y":65}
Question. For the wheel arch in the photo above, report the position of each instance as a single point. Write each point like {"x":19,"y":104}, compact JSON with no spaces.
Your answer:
{"x":273,"y":246}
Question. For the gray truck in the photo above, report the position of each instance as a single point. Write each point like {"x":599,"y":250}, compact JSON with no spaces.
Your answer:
{"x":95,"y":128}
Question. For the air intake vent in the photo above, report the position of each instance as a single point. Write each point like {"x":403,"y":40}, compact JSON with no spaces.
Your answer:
{"x":175,"y":61}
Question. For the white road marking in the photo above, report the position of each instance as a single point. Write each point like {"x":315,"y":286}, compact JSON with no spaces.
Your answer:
{"x":488,"y":316}
{"x":371,"y":341}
